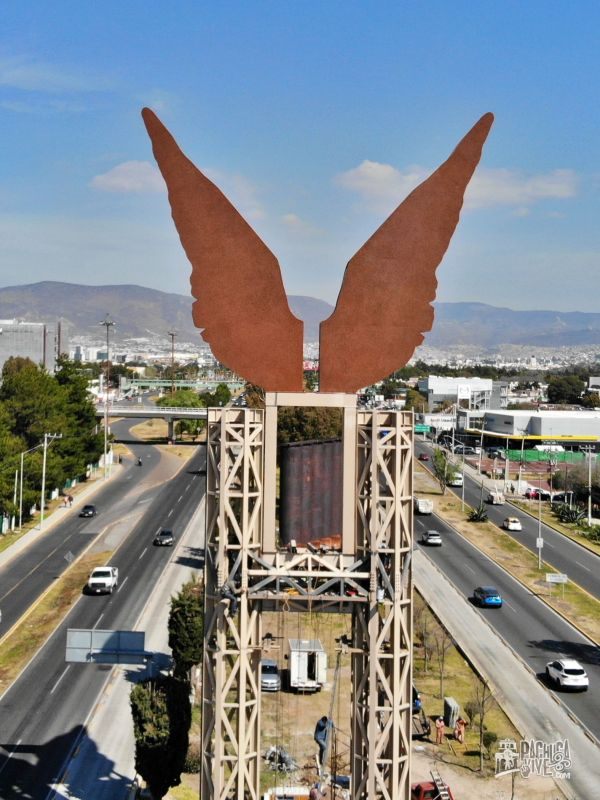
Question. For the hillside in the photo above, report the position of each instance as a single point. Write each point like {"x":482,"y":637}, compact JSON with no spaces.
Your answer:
{"x":142,"y":312}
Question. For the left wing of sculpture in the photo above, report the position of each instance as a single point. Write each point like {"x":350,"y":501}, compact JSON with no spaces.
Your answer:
{"x":384,"y":305}
{"x":240,"y":300}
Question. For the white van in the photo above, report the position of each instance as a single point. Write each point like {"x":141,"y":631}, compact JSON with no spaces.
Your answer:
{"x":456,"y":479}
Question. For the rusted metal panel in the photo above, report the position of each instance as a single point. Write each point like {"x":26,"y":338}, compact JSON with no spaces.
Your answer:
{"x":310,"y":505}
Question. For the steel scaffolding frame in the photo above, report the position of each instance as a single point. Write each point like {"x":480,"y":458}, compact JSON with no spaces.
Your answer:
{"x":246,"y":573}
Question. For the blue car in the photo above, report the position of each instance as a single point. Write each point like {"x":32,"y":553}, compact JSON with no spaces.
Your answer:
{"x":487,"y":597}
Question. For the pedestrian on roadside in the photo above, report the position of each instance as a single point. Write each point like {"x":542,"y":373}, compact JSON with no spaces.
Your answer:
{"x":439,"y":730}
{"x":70,"y":501}
{"x":512,"y":488}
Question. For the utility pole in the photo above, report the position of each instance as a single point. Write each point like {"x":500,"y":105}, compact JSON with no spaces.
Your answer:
{"x":51,"y":437}
{"x":108,"y":324}
{"x":172,"y":334}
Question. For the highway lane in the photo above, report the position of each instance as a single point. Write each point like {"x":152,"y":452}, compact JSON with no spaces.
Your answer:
{"x":580,"y":564}
{"x":528,"y":625}
{"x":44,"y":712}
{"x":29,"y":574}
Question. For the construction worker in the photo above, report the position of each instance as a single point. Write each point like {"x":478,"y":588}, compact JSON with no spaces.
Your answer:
{"x":440,"y":729}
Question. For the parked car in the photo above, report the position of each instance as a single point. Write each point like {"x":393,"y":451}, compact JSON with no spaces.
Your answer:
{"x":512,"y":524}
{"x":270,"y":680}
{"x":417,"y":703}
{"x":487,"y":597}
{"x":566,"y":673}
{"x":164,"y":538}
{"x":534,"y":494}
{"x":493,"y":452}
{"x":88,"y":511}
{"x":431,"y":538}
{"x":563,"y":497}
{"x":423,"y":457}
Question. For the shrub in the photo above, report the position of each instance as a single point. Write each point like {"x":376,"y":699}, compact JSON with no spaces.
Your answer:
{"x":478,"y":514}
{"x":193,"y":759}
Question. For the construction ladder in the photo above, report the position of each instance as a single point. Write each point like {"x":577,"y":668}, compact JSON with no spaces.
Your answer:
{"x":440,"y":785}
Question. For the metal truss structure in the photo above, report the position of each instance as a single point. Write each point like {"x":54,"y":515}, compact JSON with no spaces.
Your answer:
{"x":246,"y":573}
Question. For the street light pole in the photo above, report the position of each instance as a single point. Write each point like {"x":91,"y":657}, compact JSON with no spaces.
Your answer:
{"x":540,"y":542}
{"x":51,"y":437}
{"x":589,"y":485}
{"x":172,"y":334}
{"x":108,"y":324}
{"x":23,"y":454}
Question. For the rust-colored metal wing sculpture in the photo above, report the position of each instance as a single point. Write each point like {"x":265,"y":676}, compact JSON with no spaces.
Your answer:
{"x":384,"y":305}
{"x":240,"y":300}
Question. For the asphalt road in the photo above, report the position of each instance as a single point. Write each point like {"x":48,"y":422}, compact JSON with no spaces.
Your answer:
{"x":528,"y":625}
{"x":26,"y":576}
{"x":44,"y":713}
{"x":580,"y":564}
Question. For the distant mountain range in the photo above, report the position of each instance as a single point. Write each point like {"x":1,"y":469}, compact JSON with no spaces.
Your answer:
{"x":141,"y":312}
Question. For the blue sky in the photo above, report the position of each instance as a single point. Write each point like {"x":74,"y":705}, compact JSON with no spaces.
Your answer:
{"x":316,"y":119}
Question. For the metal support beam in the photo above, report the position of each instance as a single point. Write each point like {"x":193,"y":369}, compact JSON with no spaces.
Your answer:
{"x":246,"y":573}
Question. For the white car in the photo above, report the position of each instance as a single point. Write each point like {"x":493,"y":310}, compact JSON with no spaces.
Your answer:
{"x":512,"y":524}
{"x":431,"y":538}
{"x":566,"y":673}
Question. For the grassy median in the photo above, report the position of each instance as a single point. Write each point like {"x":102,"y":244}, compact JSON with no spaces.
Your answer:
{"x":21,"y":644}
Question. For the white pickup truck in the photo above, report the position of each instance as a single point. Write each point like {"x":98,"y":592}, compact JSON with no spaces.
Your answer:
{"x":423,"y":506}
{"x":103,"y":580}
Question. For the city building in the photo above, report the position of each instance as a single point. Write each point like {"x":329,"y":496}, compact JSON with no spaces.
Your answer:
{"x":472,"y":392}
{"x":38,"y":341}
{"x":552,"y":425}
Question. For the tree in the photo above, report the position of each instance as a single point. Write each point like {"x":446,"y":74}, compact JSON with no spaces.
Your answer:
{"x":443,"y":470}
{"x":161,"y":721}
{"x":565,"y":389}
{"x":441,"y":642}
{"x":297,"y":424}
{"x":186,"y":628}
{"x":185,"y":398}
{"x":421,"y":622}
{"x":481,"y":701}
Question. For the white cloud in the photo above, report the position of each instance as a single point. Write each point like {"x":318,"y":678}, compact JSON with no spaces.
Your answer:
{"x":130,"y":176}
{"x":383,"y":186}
{"x":30,"y":75}
{"x":241,"y":192}
{"x":296,"y":224}
{"x":491,"y":187}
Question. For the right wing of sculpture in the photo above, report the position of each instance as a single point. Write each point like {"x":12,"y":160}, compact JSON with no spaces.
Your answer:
{"x":240,"y":299}
{"x":384,"y":305}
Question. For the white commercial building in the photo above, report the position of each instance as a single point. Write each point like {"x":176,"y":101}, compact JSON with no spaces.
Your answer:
{"x":579,"y":426}
{"x":473,"y":392}
{"x":34,"y":340}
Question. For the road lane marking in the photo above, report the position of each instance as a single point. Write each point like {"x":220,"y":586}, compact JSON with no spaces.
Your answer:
{"x":470,"y":567}
{"x":583,"y":565}
{"x":11,"y":754}
{"x":180,"y":498}
{"x":506,"y":603}
{"x":64,"y":672}
{"x":98,"y":620}
{"x":158,"y":530}
{"x":187,"y":487}
{"x":121,"y":585}
{"x":169,"y":514}
{"x":143,"y":553}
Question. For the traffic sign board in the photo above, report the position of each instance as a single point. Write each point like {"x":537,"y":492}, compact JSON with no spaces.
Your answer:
{"x":422,"y":428}
{"x":556,"y":577}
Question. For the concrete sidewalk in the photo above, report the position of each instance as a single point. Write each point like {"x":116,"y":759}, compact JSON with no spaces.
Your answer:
{"x":535,"y":712}
{"x":102,"y":766}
